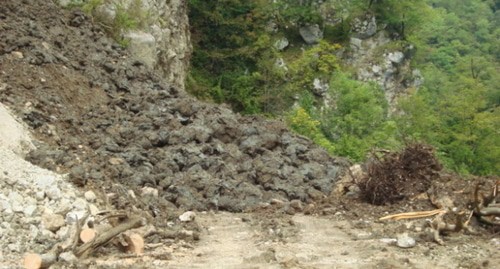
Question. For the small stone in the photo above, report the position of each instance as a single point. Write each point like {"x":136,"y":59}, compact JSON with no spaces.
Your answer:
{"x":72,"y":217}
{"x":396,"y":57}
{"x":363,"y":235}
{"x":297,"y":205}
{"x":63,"y":232}
{"x":80,"y":204}
{"x":148,"y":191}
{"x":116,"y":161}
{"x":277,"y":202}
{"x":10,"y":180}
{"x":14,"y":247}
{"x":90,"y":196}
{"x":5,"y":225}
{"x":53,"y":222}
{"x":67,"y":256}
{"x":376,"y":70}
{"x":187,"y":216}
{"x":281,"y":43}
{"x":93,"y":209}
{"x":405,"y":241}
{"x":388,"y":241}
{"x":17,"y":54}
{"x":44,"y":182}
{"x":40,"y":195}
{"x":53,"y":193}
{"x":131,"y":194}
{"x":29,"y":210}
{"x":5,"y":205}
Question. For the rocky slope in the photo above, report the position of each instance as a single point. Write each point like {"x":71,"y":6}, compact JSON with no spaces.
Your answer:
{"x":115,"y":125}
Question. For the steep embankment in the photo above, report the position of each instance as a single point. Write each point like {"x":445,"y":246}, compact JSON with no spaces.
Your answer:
{"x":110,"y":121}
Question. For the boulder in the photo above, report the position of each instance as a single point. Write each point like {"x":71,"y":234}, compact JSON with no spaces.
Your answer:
{"x":311,"y":34}
{"x":142,"y":46}
{"x":281,"y":43}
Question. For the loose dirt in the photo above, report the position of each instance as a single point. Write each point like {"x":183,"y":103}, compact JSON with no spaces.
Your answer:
{"x":264,"y":197}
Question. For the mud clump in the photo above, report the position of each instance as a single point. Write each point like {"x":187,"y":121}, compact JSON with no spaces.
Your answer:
{"x":114,"y":125}
{"x":399,"y":175}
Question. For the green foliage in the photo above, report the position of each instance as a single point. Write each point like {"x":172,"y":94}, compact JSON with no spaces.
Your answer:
{"x":457,"y":51}
{"x":358,"y":121}
{"x":91,"y":5}
{"x":127,"y":16}
{"x":317,"y":62}
{"x":301,"y":122}
{"x":296,"y":12}
{"x":457,"y":109}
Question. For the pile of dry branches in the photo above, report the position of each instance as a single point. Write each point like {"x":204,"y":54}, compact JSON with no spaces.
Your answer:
{"x":395,"y":176}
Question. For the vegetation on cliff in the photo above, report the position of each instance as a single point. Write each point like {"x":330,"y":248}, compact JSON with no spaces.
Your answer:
{"x":236,"y":61}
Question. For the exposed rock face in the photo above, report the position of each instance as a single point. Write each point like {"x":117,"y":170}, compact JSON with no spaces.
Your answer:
{"x":364,"y":28}
{"x":311,"y":34}
{"x":163,"y":39}
{"x":390,"y":69}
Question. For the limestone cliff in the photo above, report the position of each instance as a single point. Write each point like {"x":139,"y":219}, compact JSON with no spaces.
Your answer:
{"x":160,"y":36}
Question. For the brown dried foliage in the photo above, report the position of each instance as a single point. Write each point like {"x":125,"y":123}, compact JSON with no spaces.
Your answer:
{"x":398,"y":175}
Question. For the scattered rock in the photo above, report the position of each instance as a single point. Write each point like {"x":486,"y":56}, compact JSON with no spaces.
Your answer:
{"x":142,"y":46}
{"x":187,"y":216}
{"x":405,"y":241}
{"x":320,"y":87}
{"x":90,"y":196}
{"x":68,"y":257}
{"x":311,"y":34}
{"x":53,"y":222}
{"x":396,"y":57}
{"x":281,"y":43}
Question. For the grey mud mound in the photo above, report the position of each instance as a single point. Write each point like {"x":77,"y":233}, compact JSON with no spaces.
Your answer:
{"x":113,"y":124}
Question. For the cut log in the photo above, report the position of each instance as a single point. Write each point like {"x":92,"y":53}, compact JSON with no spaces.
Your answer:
{"x":36,"y":261}
{"x":87,"y":235}
{"x":87,"y":248}
{"x":135,"y":243}
{"x":32,"y":261}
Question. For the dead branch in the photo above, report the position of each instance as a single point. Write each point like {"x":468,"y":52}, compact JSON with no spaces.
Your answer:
{"x":87,"y":248}
{"x":413,"y":215}
{"x":485,"y":205}
{"x":439,"y":226}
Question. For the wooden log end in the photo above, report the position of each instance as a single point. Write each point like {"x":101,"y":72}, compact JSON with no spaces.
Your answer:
{"x":87,"y":235}
{"x":32,"y":261}
{"x":135,"y":243}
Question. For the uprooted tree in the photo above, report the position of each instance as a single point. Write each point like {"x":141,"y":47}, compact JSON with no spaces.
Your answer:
{"x":398,"y":175}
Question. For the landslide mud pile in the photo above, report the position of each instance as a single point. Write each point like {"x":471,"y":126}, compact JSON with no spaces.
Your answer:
{"x":114,"y":125}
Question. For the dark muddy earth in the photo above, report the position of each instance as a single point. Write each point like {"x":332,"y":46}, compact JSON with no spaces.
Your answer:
{"x":264,"y":197}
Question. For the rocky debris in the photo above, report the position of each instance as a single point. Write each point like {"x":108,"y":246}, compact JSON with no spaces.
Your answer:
{"x":125,"y":126}
{"x":12,"y":135}
{"x":311,"y":34}
{"x":282,"y":43}
{"x":117,"y":127}
{"x":142,"y":47}
{"x":389,"y":68}
{"x":405,"y":241}
{"x":187,"y":216}
{"x":33,"y":202}
{"x":364,"y":28}
{"x":320,"y":87}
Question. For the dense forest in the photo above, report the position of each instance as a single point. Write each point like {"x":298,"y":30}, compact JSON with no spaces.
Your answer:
{"x":237,"y":60}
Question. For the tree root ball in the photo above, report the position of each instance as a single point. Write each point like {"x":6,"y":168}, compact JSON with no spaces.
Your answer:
{"x":399,"y":175}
